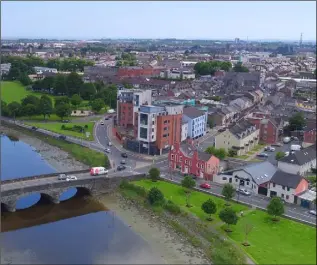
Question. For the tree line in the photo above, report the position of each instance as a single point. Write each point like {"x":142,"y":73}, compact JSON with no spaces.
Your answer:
{"x":209,"y":68}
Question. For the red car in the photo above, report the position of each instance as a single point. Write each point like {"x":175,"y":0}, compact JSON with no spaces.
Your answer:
{"x":205,"y":186}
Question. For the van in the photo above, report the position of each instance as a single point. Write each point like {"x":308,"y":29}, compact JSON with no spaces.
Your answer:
{"x":295,"y":147}
{"x":94,"y":171}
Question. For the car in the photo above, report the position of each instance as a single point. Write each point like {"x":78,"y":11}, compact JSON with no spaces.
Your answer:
{"x":205,"y":185}
{"x":263,"y":155}
{"x":110,"y":144}
{"x":313,"y":212}
{"x":123,"y":162}
{"x":69,"y":178}
{"x":62,"y":137}
{"x":269,"y":148}
{"x":102,"y":123}
{"x":34,"y":128}
{"x":277,"y":144}
{"x":107,"y":150}
{"x":62,"y":177}
{"x":121,"y":167}
{"x":286,"y":153}
{"x":125,"y":155}
{"x":243,"y":191}
{"x":295,"y":138}
{"x":65,"y":121}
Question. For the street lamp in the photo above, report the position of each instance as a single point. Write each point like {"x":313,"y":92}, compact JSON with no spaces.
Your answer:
{"x":240,"y":181}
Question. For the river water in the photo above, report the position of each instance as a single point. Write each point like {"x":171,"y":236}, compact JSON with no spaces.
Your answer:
{"x":76,"y":231}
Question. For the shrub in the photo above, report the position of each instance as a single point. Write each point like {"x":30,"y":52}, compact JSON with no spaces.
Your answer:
{"x":155,"y":196}
{"x":86,"y":126}
{"x":63,"y":127}
{"x":172,"y":207}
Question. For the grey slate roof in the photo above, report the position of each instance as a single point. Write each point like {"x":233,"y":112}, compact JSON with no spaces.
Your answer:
{"x":260,"y":172}
{"x":189,"y":150}
{"x":243,"y":127}
{"x":301,"y":157}
{"x":285,"y":179}
{"x":193,"y":113}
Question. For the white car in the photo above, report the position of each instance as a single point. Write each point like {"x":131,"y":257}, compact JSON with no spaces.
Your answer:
{"x":107,"y":150}
{"x":62,"y":177}
{"x":313,"y":212}
{"x":69,"y":178}
{"x":110,"y":144}
{"x":102,"y":123}
{"x":244,"y":192}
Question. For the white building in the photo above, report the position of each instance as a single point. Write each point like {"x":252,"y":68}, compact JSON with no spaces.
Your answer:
{"x":184,"y":131}
{"x":197,"y":122}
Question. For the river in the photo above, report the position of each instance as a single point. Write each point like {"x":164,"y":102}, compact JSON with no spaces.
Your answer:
{"x":78,"y":230}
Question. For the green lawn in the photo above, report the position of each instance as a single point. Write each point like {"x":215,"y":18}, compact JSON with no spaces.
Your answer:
{"x":56,"y":127}
{"x":40,"y":118}
{"x":14,"y":91}
{"x":176,"y":194}
{"x":285,"y":242}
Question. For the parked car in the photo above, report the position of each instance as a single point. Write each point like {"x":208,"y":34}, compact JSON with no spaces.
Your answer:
{"x":94,"y":171}
{"x":110,"y":144}
{"x":313,"y":212}
{"x":106,"y":118}
{"x":62,"y":177}
{"x":295,"y":147}
{"x":69,"y":178}
{"x":269,"y":148}
{"x":286,"y":153}
{"x":121,"y":167}
{"x":34,"y":128}
{"x":286,"y":140}
{"x":62,"y":137}
{"x":205,"y":185}
{"x":263,"y":155}
{"x":107,"y":150}
{"x":243,"y":191}
{"x":65,"y":121}
{"x":102,"y":123}
{"x":125,"y":155}
{"x":277,"y":144}
{"x":123,"y":162}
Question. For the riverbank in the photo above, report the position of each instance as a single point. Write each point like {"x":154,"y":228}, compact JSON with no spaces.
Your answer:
{"x":172,"y":246}
{"x":60,"y":160}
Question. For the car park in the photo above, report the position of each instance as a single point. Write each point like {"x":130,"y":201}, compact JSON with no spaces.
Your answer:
{"x":243,"y":191}
{"x":205,"y":185}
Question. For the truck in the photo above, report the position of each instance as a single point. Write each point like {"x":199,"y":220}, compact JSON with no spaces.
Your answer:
{"x":295,"y":147}
{"x":94,"y":171}
{"x":286,"y":140}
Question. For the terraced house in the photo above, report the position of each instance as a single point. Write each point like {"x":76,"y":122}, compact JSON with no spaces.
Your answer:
{"x":241,"y":138}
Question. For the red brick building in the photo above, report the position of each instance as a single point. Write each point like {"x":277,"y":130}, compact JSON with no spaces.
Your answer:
{"x":138,"y":71}
{"x":269,"y":127}
{"x":188,"y":160}
{"x":309,"y":133}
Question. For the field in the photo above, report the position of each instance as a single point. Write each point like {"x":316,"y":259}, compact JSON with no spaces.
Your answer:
{"x":14,"y":91}
{"x":56,"y":127}
{"x":285,"y":242}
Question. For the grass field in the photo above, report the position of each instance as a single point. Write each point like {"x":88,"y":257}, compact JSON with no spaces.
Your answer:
{"x":14,"y":91}
{"x":56,"y":127}
{"x":52,"y":117}
{"x":285,"y":242}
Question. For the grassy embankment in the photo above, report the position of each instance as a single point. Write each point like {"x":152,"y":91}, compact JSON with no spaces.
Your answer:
{"x":57,"y":128}
{"x":80,"y":153}
{"x":284,"y":242}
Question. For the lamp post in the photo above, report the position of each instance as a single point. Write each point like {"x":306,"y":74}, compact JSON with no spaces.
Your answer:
{"x":240,"y":180}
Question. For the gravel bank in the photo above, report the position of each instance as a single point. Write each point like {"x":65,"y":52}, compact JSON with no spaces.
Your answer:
{"x":60,"y":160}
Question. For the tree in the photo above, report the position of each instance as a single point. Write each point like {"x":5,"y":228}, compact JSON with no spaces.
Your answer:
{"x":14,"y":73}
{"x":97,"y":104}
{"x":87,"y":91}
{"x":188,"y":183}
{"x":240,"y":68}
{"x":14,"y":109}
{"x":61,"y":100}
{"x":59,"y":86}
{"x":4,"y":109}
{"x":219,"y":153}
{"x":63,"y":110}
{"x":29,"y":109}
{"x":30,"y":99}
{"x":45,"y":106}
{"x":209,"y":207}
{"x":247,"y":230}
{"x":76,"y":100}
{"x":232,"y":153}
{"x":154,"y":174}
{"x":228,"y":216}
{"x":275,"y":208}
{"x":155,"y":196}
{"x":279,"y":155}
{"x":24,"y":79}
{"x":228,"y":192}
{"x":297,"y":121}
{"x":312,"y":180}
{"x":73,"y":83}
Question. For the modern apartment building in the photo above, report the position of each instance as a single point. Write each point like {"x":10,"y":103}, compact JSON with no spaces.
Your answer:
{"x":197,"y":122}
{"x":159,"y":126}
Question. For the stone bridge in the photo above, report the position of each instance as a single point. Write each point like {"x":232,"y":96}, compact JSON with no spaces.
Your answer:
{"x":51,"y":188}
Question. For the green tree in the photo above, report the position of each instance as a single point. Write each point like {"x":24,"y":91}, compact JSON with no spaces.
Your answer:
{"x":97,"y":104}
{"x":4,"y":109}
{"x":76,"y":100}
{"x":45,"y":106}
{"x":228,"y":192}
{"x":14,"y":73}
{"x":275,"y":208}
{"x":61,"y":100}
{"x":219,"y":153}
{"x":29,"y":110}
{"x":188,"y":183}
{"x":63,"y":110}
{"x":59,"y":85}
{"x":228,"y":216}
{"x":209,"y":207}
{"x":155,"y":196}
{"x":24,"y":79}
{"x":14,"y":109}
{"x":240,"y":68}
{"x":297,"y":121}
{"x":87,"y":91}
{"x":30,"y":99}
{"x":48,"y":82}
{"x":279,"y":155}
{"x":154,"y":173}
{"x":312,"y":180}
{"x":73,"y":83}
{"x":232,"y":153}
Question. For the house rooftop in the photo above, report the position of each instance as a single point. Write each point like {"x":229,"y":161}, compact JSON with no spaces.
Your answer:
{"x":285,"y":179}
{"x":301,"y":157}
{"x":242,"y":129}
{"x":193,"y":113}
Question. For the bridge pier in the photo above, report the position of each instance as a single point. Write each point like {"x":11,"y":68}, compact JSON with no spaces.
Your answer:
{"x":10,"y":206}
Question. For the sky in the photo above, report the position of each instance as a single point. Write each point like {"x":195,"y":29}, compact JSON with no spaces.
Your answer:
{"x":284,"y":20}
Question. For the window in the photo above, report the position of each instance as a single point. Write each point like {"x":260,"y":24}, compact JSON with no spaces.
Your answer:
{"x":165,"y":128}
{"x":283,"y":187}
{"x":152,"y":136}
{"x":287,"y":197}
{"x":230,"y":180}
{"x":282,"y":195}
{"x":236,"y":180}
{"x":224,"y":178}
{"x":180,"y":159}
{"x":186,"y":161}
{"x":153,"y":122}
{"x":248,"y":182}
{"x":288,"y":189}
{"x":273,"y":185}
{"x":172,"y":157}
{"x":152,"y":129}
